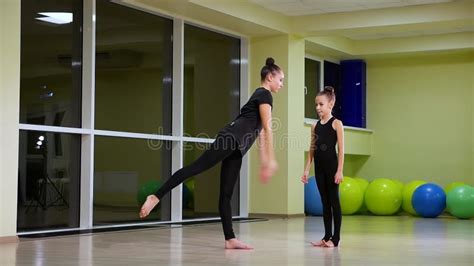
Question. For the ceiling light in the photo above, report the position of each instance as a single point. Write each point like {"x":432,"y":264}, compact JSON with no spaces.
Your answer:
{"x":56,"y":17}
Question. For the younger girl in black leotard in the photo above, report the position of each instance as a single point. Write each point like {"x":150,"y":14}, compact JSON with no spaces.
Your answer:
{"x":328,"y":165}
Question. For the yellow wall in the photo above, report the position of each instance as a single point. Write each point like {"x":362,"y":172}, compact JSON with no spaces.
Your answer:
{"x":420,"y":108}
{"x":272,"y":197}
{"x":9,"y":115}
{"x":296,"y":128}
{"x":284,"y":194}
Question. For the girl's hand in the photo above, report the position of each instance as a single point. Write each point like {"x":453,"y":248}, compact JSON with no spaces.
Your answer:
{"x":304,"y":178}
{"x":338,"y":178}
{"x":267,"y":169}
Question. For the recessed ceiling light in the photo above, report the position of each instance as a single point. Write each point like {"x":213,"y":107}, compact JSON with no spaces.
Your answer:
{"x":56,"y":17}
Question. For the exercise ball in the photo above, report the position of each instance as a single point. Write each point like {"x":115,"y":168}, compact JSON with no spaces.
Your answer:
{"x":148,"y":188}
{"x":383,"y":197}
{"x":399,"y":184}
{"x":407,"y":193}
{"x":190,"y":184}
{"x":429,"y":200}
{"x":312,"y":198}
{"x":453,"y":185}
{"x":350,"y":195}
{"x":188,"y":193}
{"x":363,"y":183}
{"x":188,"y":196}
{"x":460,"y":202}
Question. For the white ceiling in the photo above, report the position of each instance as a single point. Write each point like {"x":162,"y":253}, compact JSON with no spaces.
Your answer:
{"x":411,"y":33}
{"x":313,"y":7}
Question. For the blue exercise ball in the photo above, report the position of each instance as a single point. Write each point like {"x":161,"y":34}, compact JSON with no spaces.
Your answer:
{"x":312,"y":198}
{"x":429,"y":200}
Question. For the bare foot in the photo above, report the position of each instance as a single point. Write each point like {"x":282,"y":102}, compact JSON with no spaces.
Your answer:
{"x":234,"y":243}
{"x":320,"y":243}
{"x":150,"y":203}
{"x":329,"y":244}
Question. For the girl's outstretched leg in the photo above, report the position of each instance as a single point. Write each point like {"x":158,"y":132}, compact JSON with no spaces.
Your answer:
{"x":216,"y":153}
{"x":150,"y":203}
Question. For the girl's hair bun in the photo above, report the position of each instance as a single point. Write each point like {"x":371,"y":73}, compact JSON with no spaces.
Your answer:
{"x":270,"y":61}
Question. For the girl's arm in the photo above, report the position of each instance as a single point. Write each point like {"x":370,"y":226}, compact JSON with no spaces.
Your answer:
{"x":268,"y":164}
{"x":340,"y":151}
{"x":309,"y":161}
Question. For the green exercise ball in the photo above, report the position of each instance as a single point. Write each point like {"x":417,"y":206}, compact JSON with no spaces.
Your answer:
{"x":350,"y":195}
{"x":190,"y":184}
{"x":453,"y":185}
{"x":383,"y":197}
{"x":407,"y":193}
{"x":148,"y":188}
{"x":399,"y":184}
{"x":460,"y":202}
{"x":363,"y":184}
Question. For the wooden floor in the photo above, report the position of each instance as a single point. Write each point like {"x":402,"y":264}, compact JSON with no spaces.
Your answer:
{"x":366,"y":240}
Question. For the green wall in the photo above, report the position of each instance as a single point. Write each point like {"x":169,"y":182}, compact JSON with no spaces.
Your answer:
{"x":284,"y":193}
{"x":296,"y":128}
{"x":272,"y":197}
{"x":471,"y":56}
{"x":420,"y":108}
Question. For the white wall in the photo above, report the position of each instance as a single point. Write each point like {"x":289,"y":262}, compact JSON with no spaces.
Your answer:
{"x":9,"y":113}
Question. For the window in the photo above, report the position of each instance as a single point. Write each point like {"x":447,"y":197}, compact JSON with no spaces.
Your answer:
{"x":126,"y":170}
{"x":51,"y":55}
{"x":48,"y":180}
{"x":133,"y":70}
{"x":139,"y":134}
{"x":211,"y":81}
{"x":201,"y":193}
{"x":312,"y":80}
{"x":332,"y":77}
{"x":211,"y":100}
{"x":50,"y":95}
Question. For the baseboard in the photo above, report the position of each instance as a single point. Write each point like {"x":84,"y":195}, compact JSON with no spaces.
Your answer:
{"x":8,"y":239}
{"x":276,"y":216}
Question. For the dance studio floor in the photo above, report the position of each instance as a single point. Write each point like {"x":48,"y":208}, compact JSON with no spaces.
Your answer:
{"x":366,"y":240}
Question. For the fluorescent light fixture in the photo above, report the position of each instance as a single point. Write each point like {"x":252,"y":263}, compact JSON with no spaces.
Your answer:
{"x":56,"y":17}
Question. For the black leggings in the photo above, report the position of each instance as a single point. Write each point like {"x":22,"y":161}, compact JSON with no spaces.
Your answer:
{"x":329,"y":192}
{"x":225,"y":150}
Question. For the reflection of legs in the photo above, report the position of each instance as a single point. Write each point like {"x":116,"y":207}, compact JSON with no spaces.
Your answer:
{"x":322,"y":182}
{"x":230,"y":172}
